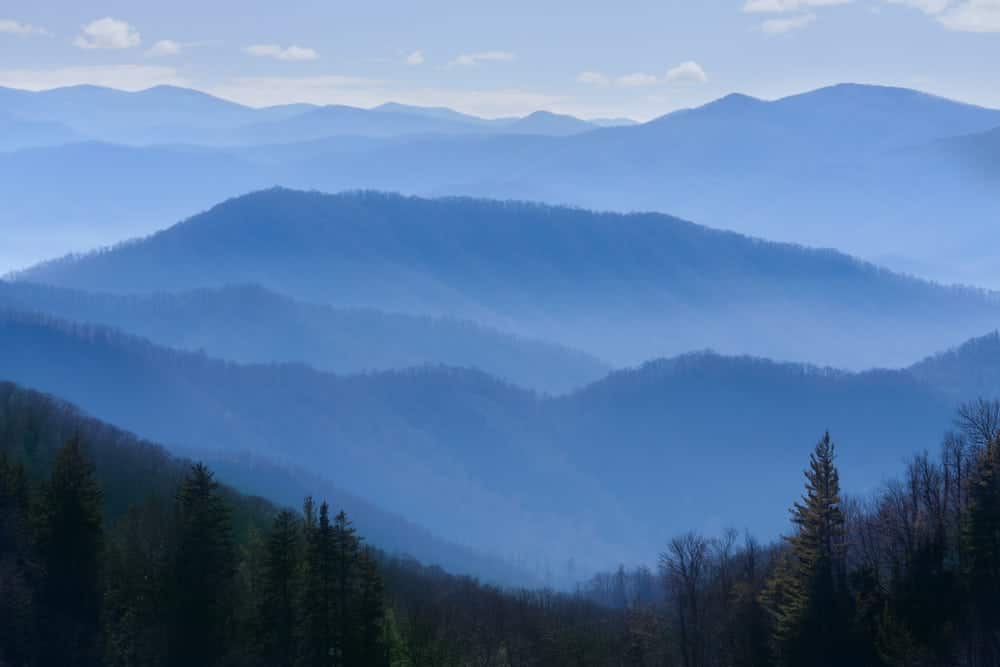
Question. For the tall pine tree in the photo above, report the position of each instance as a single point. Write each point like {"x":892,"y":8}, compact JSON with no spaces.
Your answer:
{"x":808,"y":595}
{"x":203,"y":571}
{"x":278,"y":603}
{"x":70,"y":542}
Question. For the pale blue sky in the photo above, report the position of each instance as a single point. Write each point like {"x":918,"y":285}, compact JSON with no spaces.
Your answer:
{"x":639,"y":58}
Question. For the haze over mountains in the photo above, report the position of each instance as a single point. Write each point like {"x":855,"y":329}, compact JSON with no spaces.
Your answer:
{"x":871,"y":171}
{"x":609,"y":471}
{"x":467,"y":330}
{"x":623,"y":288}
{"x":275,"y":329}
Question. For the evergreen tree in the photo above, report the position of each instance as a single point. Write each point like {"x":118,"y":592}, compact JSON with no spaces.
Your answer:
{"x":203,"y":571}
{"x":345,"y":567}
{"x":371,"y":612}
{"x":808,"y":596}
{"x":981,"y":542}
{"x":317,"y":645}
{"x":70,"y":542}
{"x":278,"y":595}
{"x":18,"y":643}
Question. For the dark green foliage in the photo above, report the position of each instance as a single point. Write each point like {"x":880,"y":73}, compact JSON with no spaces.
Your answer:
{"x":278,"y":604}
{"x":70,"y":541}
{"x":981,"y":542}
{"x":204,"y":564}
{"x":809,"y":597}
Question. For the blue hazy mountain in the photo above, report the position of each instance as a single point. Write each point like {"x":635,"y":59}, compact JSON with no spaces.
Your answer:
{"x":168,"y":114}
{"x":624,"y":288}
{"x":17,"y":133}
{"x":150,"y":470}
{"x":851,"y":167}
{"x":252,"y":325}
{"x":610,"y":471}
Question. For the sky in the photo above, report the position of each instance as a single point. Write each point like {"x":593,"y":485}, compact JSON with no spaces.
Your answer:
{"x":591,"y":58}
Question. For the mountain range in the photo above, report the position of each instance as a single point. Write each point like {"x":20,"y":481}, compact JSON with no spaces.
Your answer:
{"x":611,"y":470}
{"x":870,"y":170}
{"x":621,"y":288}
{"x":275,"y":329}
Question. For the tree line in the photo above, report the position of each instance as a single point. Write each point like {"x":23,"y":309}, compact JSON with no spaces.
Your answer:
{"x":909,"y":577}
{"x":119,"y":555}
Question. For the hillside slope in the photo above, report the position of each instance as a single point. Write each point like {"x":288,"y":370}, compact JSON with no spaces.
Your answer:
{"x":610,"y":471}
{"x":625,"y":288}
{"x":252,"y":325}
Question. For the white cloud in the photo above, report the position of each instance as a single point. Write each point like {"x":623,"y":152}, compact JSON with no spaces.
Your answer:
{"x":961,"y":15}
{"x":11,"y":27}
{"x":636,"y":80}
{"x":974,"y":16}
{"x":362,"y":92}
{"x":415,"y":58}
{"x":275,"y":51}
{"x":164,"y":47}
{"x":107,"y":33}
{"x":593,"y":78}
{"x":782,"y":6}
{"x":687,"y":72}
{"x":926,"y":6}
{"x":469,"y":59}
{"x":782,"y":26}
{"x":123,"y":77}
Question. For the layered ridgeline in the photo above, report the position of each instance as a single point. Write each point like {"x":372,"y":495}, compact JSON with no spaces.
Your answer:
{"x":860,"y":168}
{"x":168,"y":114}
{"x":253,"y":325}
{"x":624,"y":288}
{"x":603,"y":475}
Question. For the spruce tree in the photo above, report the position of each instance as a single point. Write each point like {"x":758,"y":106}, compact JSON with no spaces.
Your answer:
{"x":70,"y":542}
{"x":316,"y":607}
{"x":345,"y":563}
{"x":203,"y":571}
{"x":981,"y":546}
{"x":371,"y":612}
{"x":808,"y":595}
{"x":278,"y":595}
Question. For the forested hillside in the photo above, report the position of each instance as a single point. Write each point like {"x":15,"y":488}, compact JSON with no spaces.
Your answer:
{"x":252,"y":325}
{"x":112,"y":552}
{"x":552,"y":273}
{"x":619,"y":448}
{"x":115,"y":553}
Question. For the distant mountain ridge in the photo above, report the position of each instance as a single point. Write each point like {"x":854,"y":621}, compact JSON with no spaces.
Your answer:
{"x":624,"y":288}
{"x":588,"y":473}
{"x":858,"y":168}
{"x":252,"y":325}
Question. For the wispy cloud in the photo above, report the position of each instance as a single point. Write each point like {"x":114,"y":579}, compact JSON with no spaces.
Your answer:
{"x":981,"y":16}
{"x":470,"y":59}
{"x":12,"y":27}
{"x":785,"y":25}
{"x":291,"y":53}
{"x":164,"y":47}
{"x":636,"y":80}
{"x":974,"y":16}
{"x":107,"y":33}
{"x":687,"y":72}
{"x":415,"y":58}
{"x":785,"y":6}
{"x":592,"y":78}
{"x":123,"y":77}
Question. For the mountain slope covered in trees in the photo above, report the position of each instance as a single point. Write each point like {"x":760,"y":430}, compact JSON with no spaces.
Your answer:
{"x":253,"y":325}
{"x":586,"y":473}
{"x":553,"y":273}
